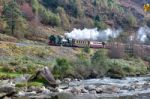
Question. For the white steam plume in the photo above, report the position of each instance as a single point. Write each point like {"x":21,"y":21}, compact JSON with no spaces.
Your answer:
{"x":143,"y":33}
{"x":93,"y":34}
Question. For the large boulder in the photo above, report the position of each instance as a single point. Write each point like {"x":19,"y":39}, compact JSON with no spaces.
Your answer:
{"x":46,"y":74}
{"x":7,"y":91}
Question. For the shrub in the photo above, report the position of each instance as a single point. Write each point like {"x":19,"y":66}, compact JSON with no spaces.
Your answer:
{"x":99,"y":61}
{"x":87,"y":49}
{"x":61,"y":68}
{"x":116,"y":71}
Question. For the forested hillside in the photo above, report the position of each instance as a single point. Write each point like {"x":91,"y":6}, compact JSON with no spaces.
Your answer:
{"x":30,"y":18}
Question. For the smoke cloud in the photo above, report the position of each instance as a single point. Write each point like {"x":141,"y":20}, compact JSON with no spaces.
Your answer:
{"x":143,"y":33}
{"x":93,"y":34}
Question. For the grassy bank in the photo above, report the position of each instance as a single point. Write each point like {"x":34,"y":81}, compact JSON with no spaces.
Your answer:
{"x":18,"y":59}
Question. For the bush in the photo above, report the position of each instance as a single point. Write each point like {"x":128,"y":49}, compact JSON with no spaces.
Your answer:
{"x":116,"y":71}
{"x":61,"y":68}
{"x":99,"y":61}
{"x":87,"y":50}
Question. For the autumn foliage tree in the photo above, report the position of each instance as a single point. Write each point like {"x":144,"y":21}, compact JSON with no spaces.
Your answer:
{"x":27,"y":11}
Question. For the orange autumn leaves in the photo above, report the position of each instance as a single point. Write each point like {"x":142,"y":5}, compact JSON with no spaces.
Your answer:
{"x":147,"y":7}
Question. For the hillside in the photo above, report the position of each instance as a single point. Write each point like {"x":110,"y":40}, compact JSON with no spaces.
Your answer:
{"x":37,"y":19}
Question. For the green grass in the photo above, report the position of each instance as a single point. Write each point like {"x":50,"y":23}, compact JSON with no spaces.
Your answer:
{"x":129,"y":67}
{"x":29,"y":84}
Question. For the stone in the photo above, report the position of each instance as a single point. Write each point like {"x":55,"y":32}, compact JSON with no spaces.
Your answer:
{"x":59,"y":90}
{"x":92,"y":92}
{"x":90,"y":87}
{"x":45,"y":90}
{"x":58,"y":81}
{"x":7,"y":89}
{"x":47,"y":75}
{"x":75,"y":90}
{"x":110,"y":89}
{"x":21,"y":79}
{"x":67,"y":80}
{"x":99,"y":90}
{"x":84,"y":91}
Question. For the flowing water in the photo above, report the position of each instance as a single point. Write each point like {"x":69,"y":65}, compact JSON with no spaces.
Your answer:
{"x":130,"y":87}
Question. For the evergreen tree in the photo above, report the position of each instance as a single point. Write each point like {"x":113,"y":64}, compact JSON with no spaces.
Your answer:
{"x":13,"y":16}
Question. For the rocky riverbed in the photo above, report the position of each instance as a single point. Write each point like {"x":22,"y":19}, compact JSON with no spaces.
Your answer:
{"x":104,"y":88}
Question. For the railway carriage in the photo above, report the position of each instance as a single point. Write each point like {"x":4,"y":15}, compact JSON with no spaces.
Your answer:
{"x":81,"y":43}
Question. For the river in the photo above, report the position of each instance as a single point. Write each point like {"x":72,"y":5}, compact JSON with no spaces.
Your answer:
{"x":127,"y":88}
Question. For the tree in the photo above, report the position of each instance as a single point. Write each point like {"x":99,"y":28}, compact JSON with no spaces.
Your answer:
{"x":132,"y":20}
{"x":64,"y":19}
{"x":13,"y":16}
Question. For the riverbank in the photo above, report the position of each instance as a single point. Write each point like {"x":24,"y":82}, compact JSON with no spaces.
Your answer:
{"x":104,"y":88}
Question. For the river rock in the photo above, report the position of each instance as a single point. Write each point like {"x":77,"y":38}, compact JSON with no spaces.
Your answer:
{"x":33,"y":88}
{"x":93,"y":92}
{"x":93,"y":74}
{"x":67,"y":80}
{"x":90,"y":87}
{"x":99,"y":90}
{"x":7,"y":89}
{"x":110,"y":89}
{"x":45,"y":90}
{"x":76,"y":90}
{"x":58,"y":81}
{"x":84,"y":91}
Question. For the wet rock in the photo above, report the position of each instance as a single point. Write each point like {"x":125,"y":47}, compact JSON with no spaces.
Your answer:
{"x":7,"y":89}
{"x":93,"y":92}
{"x":30,"y":93}
{"x":7,"y":98}
{"x":99,"y":90}
{"x":58,"y":81}
{"x":46,"y":74}
{"x":53,"y":89}
{"x":84,"y":91}
{"x":45,"y":90}
{"x":110,"y":89}
{"x":40,"y":96}
{"x":90,"y":87}
{"x":66,"y":80}
{"x":22,"y":93}
{"x":32,"y":88}
{"x":116,"y":77}
{"x":93,"y":74}
{"x":59,"y":90}
{"x":2,"y":94}
{"x":75,"y":90}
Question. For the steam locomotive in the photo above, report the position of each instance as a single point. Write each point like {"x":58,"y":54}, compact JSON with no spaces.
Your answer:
{"x":64,"y":41}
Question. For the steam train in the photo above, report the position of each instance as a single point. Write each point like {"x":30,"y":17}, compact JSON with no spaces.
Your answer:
{"x":64,"y":41}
